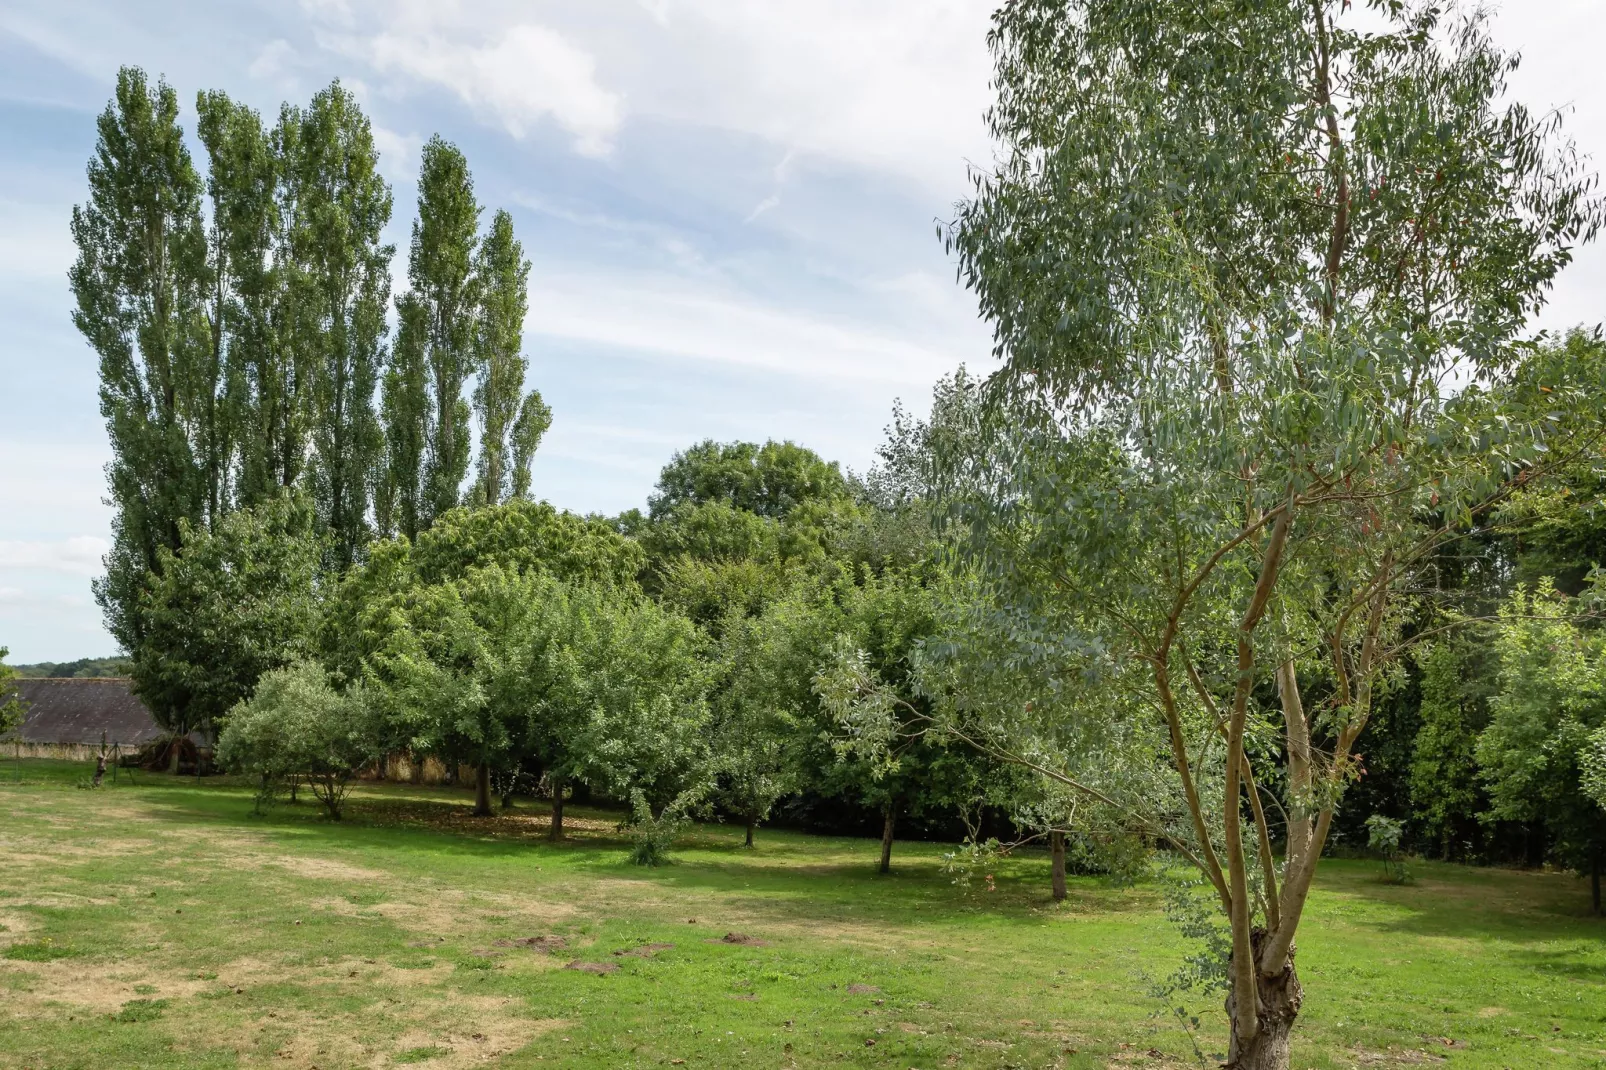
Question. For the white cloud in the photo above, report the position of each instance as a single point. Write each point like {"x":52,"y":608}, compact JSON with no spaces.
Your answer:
{"x":662,"y":315}
{"x":398,"y":154}
{"x":76,"y":556}
{"x":519,"y":75}
{"x":273,"y":62}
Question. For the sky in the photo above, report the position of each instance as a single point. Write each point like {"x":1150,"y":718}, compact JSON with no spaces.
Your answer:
{"x":731,"y":209}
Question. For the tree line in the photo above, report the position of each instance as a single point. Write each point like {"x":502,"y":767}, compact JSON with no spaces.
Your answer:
{"x":1273,"y":516}
{"x":242,"y":318}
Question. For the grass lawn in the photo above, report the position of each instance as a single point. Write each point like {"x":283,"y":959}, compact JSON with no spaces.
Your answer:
{"x":159,"y":924}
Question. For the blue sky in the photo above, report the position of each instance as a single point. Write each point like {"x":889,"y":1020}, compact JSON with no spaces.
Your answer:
{"x":730,"y":206}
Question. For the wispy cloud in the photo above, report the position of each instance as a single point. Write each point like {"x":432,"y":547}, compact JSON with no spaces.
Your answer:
{"x":666,"y":317}
{"x":77,"y":556}
{"x":518,"y":75}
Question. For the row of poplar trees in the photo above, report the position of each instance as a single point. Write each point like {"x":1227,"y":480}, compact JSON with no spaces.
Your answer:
{"x":250,"y":343}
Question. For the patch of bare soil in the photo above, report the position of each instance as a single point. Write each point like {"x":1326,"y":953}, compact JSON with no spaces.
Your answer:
{"x":480,"y":1029}
{"x":739,"y":938}
{"x":543,"y":943}
{"x":1393,"y":1056}
{"x":1136,"y":1055}
{"x":325,"y":869}
{"x":592,"y":967}
{"x":42,"y":989}
{"x":862,"y":990}
{"x":645,"y":951}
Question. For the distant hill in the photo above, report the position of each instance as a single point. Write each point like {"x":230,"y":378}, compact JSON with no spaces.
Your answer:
{"x":80,"y":668}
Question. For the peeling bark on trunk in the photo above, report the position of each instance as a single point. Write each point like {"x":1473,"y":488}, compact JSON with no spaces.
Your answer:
{"x":890,"y":814}
{"x":482,"y":791}
{"x":557,"y":808}
{"x":1056,"y":850}
{"x":1279,"y":998}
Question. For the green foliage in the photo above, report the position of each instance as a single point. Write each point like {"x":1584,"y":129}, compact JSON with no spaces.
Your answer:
{"x":1592,"y":765}
{"x":1444,"y":768}
{"x":1230,"y":255}
{"x":526,"y":536}
{"x":77,"y":669}
{"x":1549,"y":710}
{"x":139,"y":283}
{"x":768,"y":480}
{"x":233,"y":604}
{"x":12,"y":708}
{"x":341,"y":208}
{"x":296,"y":724}
{"x":511,"y":426}
{"x":763,"y":700}
{"x":1383,"y":836}
{"x":443,"y":283}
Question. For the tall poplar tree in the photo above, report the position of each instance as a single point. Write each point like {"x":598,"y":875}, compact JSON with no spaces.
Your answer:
{"x":241,"y":182}
{"x":441,"y":272}
{"x":510,"y":429}
{"x":140,"y":283}
{"x":405,"y":409}
{"x":340,"y":206}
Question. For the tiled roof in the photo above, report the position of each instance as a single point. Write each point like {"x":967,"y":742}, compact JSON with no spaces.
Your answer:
{"x":84,"y":711}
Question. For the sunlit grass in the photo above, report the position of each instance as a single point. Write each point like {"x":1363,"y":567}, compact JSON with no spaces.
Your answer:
{"x":159,"y":923}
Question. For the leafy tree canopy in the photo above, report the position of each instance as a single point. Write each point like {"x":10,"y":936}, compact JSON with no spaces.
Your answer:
{"x":769,"y":480}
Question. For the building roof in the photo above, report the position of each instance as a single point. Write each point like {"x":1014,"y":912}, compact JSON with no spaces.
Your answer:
{"x":84,"y":710}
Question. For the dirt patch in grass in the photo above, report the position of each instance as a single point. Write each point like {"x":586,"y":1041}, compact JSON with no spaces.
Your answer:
{"x":41,"y":989}
{"x":325,"y":869}
{"x":481,"y":1029}
{"x":592,"y":967}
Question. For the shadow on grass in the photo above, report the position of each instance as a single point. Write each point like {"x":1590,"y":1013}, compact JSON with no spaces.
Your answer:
{"x":784,"y":879}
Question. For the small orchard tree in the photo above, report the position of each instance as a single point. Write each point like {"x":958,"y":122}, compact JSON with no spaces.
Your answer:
{"x":625,"y":707}
{"x":761,"y":704}
{"x":1258,"y":276}
{"x":235,"y":601}
{"x":297,"y":724}
{"x":870,"y":691}
{"x":455,"y":673}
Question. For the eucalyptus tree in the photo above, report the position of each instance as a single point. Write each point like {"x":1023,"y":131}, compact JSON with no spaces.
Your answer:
{"x":341,"y":205}
{"x":140,"y":285}
{"x":511,"y":423}
{"x":1258,"y":282}
{"x":445,"y":288}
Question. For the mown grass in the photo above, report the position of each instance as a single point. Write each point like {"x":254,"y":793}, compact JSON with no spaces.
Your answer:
{"x":160,"y":924}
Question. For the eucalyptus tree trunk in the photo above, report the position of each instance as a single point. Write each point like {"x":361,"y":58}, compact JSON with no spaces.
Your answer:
{"x":1278,"y":1000}
{"x":1056,"y":851}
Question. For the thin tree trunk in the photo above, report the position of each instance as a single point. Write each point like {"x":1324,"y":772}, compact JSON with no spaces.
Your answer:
{"x":752,"y":820}
{"x":1056,"y":851}
{"x":482,"y":791}
{"x":889,"y":815}
{"x":557,"y":808}
{"x":1278,"y":1005}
